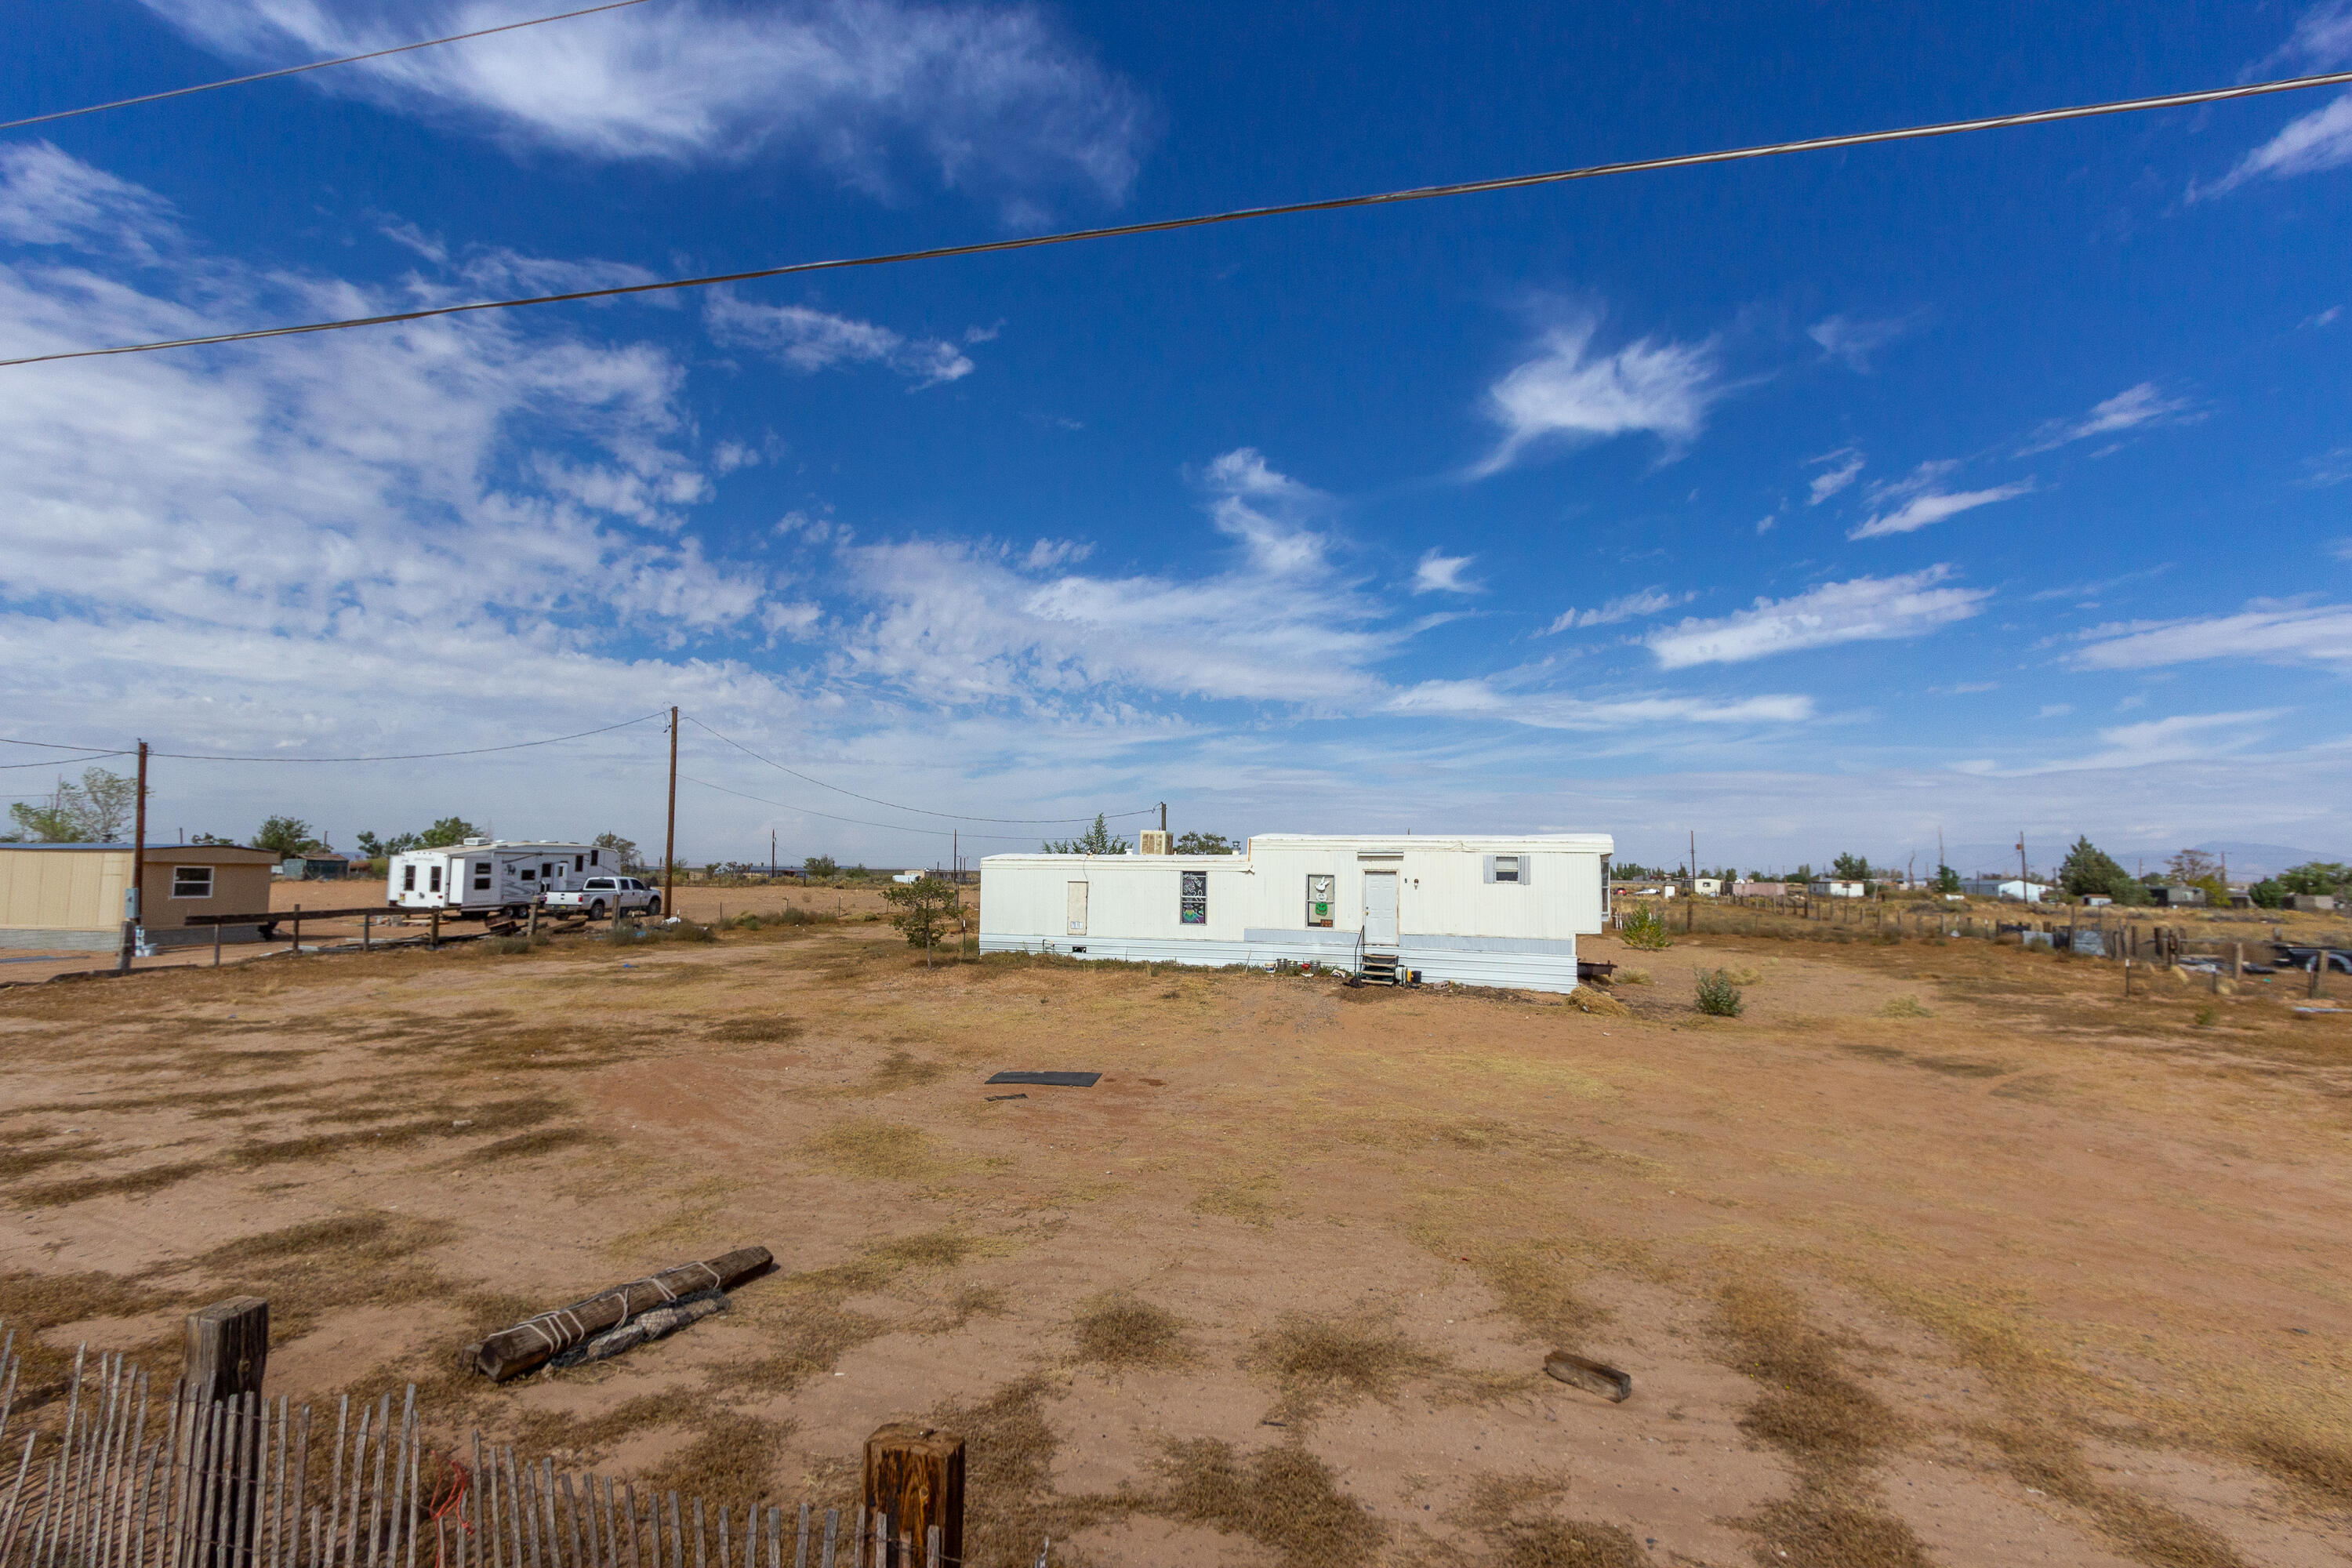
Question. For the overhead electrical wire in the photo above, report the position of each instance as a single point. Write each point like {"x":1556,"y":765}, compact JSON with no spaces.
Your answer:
{"x":409,"y":756}
{"x":61,"y":746}
{"x":829,"y":816}
{"x":314,"y":65}
{"x":894,"y":805}
{"x":1240,"y":215}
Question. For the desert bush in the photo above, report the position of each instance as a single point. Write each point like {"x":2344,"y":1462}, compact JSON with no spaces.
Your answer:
{"x":1717,"y":996}
{"x":1631,"y":977}
{"x":1906,"y":1007}
{"x":1645,"y":927}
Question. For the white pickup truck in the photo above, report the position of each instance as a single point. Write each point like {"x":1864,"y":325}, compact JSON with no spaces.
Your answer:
{"x":600,"y":895}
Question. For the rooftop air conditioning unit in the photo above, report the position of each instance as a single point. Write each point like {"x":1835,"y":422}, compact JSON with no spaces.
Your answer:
{"x":1155,"y":841}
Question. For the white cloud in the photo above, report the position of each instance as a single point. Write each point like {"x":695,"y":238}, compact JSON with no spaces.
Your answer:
{"x":1268,"y":512}
{"x":49,"y":197}
{"x":1854,"y":339}
{"x":1000,"y":101}
{"x":810,"y":340}
{"x":1568,"y":392}
{"x":1442,"y":574}
{"x":2274,"y":634}
{"x":1546,"y":710}
{"x":1825,"y":485}
{"x":1863,"y":609}
{"x":1625,"y":607}
{"x":2127,"y":410}
{"x":1935,"y":506}
{"x":2186,"y":737}
{"x":2308,"y":145}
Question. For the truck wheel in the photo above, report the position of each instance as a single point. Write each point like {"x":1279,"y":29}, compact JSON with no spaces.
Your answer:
{"x":653,"y":908}
{"x":596,"y":910}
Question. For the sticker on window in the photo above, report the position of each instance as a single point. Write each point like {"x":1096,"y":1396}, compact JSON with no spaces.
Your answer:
{"x":1193,"y":904}
{"x":1320,"y":896}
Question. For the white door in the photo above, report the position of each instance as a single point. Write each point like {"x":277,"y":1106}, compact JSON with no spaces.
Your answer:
{"x":1077,"y":926}
{"x":1380,"y":908}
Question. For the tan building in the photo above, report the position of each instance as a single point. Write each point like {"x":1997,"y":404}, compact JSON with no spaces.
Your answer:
{"x":70,"y":896}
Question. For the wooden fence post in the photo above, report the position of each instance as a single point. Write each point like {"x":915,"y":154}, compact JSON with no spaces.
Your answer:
{"x":297,"y":952}
{"x":915,"y":1476}
{"x":433,"y":939}
{"x":228,"y":1349}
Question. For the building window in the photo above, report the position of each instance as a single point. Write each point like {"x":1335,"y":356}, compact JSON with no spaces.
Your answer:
{"x":191,"y":882}
{"x":1506,"y":867}
{"x":481,"y":879}
{"x":592,"y":858}
{"x":580,"y":862}
{"x":1193,"y":905}
{"x":1320,"y":896}
{"x":528,"y":874}
{"x":433,"y":879}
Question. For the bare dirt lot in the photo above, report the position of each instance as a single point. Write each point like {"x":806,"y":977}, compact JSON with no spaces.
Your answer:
{"x":1942,"y":1253}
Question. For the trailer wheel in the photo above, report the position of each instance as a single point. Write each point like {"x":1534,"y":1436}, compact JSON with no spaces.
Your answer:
{"x":596,"y":910}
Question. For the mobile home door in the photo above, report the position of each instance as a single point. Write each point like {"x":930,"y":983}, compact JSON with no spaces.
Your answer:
{"x":1077,"y":909}
{"x":1380,"y":909}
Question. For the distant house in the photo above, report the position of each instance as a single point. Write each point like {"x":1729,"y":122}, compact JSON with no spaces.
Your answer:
{"x":2177,"y":896}
{"x":2014,"y":887}
{"x":322,"y":866}
{"x":2323,"y":903}
{"x":1833,"y":888}
{"x":1707,"y":887}
{"x":1759,"y":889}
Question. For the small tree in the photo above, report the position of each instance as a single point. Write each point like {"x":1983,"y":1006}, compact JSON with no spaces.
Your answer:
{"x":51,"y":824}
{"x":2089,"y":871}
{"x":1096,"y":840}
{"x":1717,"y":996}
{"x":95,"y":811}
{"x":2315,"y":877}
{"x":447,"y":831}
{"x":1202,"y":844}
{"x":285,"y":836}
{"x":925,"y":909}
{"x":1645,"y":927}
{"x":622,"y":852}
{"x":821,"y":865}
{"x":1946,"y":879}
{"x":1851,"y":869}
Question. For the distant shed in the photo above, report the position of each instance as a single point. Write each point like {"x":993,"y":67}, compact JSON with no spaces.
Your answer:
{"x":69,"y":897}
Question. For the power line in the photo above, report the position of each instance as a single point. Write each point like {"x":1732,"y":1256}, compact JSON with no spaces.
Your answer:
{"x":894,"y":805}
{"x":408,"y":756}
{"x":61,"y":746}
{"x":1238,"y":215}
{"x":829,"y":816}
{"x":314,"y":65}
{"x":63,"y":762}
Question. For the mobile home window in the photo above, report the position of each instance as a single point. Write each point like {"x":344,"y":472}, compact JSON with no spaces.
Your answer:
{"x":592,"y":856}
{"x":580,"y":862}
{"x":1192,"y":899}
{"x":1506,"y":867}
{"x":433,"y":879}
{"x":191,"y":882}
{"x":408,"y":878}
{"x":482,"y":878}
{"x":1321,"y":894}
{"x":528,"y":874}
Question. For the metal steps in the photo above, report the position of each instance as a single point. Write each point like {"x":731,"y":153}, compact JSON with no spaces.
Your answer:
{"x":1380,"y":969}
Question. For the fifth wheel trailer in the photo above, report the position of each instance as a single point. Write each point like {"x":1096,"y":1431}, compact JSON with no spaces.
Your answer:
{"x":1485,"y":910}
{"x":483,"y":876}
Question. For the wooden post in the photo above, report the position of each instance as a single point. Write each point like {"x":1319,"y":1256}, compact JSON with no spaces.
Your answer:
{"x":297,"y":950}
{"x":433,"y":937}
{"x":217,"y":942}
{"x":367,"y":933}
{"x":915,"y":1474}
{"x":531,"y":921}
{"x":228,"y":1349}
{"x":2127,"y":968}
{"x":2237,"y":961}
{"x":2318,"y":968}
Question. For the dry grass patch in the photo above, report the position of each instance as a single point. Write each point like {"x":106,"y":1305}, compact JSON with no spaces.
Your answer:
{"x":1536,"y":1285}
{"x":1318,"y":1360}
{"x":1246,"y":1200}
{"x":1516,"y":1515}
{"x":876,"y":1150}
{"x":1120,"y":1330}
{"x":1283,"y":1498}
{"x":772,"y":1030}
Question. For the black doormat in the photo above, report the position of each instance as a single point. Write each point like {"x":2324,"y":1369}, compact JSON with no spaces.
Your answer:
{"x":1051,"y":1079}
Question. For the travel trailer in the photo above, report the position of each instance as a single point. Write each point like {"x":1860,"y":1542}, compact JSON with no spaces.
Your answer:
{"x":485,"y":876}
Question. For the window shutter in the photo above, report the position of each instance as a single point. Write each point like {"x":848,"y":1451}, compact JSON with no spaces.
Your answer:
{"x":1527,"y":870}
{"x":1489,"y":860}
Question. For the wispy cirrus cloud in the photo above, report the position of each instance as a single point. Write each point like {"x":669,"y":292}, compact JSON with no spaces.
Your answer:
{"x":1933,"y":506}
{"x":1551,"y":710}
{"x":2271,"y":633}
{"x":1569,"y":393}
{"x":1625,"y":607}
{"x":810,"y":340}
{"x":2321,"y":139}
{"x":1848,"y":465}
{"x":1001,"y":101}
{"x":2129,"y":409}
{"x":1861,"y":609}
{"x":1439,"y":572}
{"x":2184,"y":738}
{"x":1855,"y":340}
{"x":50,"y":197}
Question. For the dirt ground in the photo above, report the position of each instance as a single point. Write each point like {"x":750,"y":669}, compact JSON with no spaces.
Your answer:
{"x":1941,"y":1253}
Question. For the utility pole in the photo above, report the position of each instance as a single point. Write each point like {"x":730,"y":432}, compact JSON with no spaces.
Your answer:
{"x":669,"y":839}
{"x":771,"y":854}
{"x":131,"y":911}
{"x":2023,"y":875}
{"x":1164,"y":816}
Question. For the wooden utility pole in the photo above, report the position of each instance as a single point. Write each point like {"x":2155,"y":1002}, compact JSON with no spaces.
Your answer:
{"x":133,"y":907}
{"x":669,"y":839}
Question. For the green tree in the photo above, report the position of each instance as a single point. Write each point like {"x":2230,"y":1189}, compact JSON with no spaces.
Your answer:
{"x":821,"y":865}
{"x":1205,"y":844}
{"x":621,"y":851}
{"x":1851,"y":869}
{"x":447,"y":831}
{"x":2269,"y":893}
{"x":925,"y":909}
{"x":1096,"y":840}
{"x":2315,"y":877}
{"x":285,"y":836}
{"x":1946,"y":879}
{"x":2089,"y":871}
{"x":213,"y":838}
{"x":98,"y":810}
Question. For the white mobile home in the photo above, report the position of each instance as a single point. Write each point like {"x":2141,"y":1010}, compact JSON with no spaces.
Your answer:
{"x":1500,"y":911}
{"x":486,"y":874}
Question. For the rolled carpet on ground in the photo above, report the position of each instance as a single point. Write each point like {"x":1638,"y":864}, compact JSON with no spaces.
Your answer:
{"x":532,"y":1342}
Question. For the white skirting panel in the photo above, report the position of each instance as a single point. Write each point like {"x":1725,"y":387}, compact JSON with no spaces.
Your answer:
{"x":1461,"y":964}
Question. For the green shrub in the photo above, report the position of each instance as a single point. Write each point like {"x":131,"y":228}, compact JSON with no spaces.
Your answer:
{"x":1717,"y":996}
{"x":1644,"y":928}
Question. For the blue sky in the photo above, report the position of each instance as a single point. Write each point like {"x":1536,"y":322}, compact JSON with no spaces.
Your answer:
{"x":1987,"y":485}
